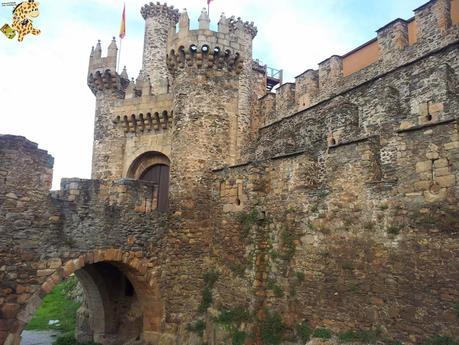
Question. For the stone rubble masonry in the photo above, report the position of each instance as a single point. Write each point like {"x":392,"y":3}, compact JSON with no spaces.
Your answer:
{"x":352,"y":177}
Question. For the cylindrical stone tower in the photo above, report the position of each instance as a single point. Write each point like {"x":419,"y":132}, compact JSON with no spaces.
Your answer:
{"x":107,"y":85}
{"x":160,"y":21}
{"x":207,"y":69}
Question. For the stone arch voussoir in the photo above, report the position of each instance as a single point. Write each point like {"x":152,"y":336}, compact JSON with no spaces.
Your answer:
{"x":132,"y":264}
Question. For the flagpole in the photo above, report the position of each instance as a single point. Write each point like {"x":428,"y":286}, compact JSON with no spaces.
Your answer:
{"x":121,"y":35}
{"x":119,"y":55}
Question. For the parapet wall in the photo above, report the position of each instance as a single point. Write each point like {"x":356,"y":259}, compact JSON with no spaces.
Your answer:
{"x":233,"y":34}
{"x":138,"y":196}
{"x":25,"y":168}
{"x":403,"y":99}
{"x":434,"y":26}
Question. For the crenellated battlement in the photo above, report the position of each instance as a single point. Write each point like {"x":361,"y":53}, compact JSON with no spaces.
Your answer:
{"x":204,"y":57}
{"x":148,"y":122}
{"x":102,"y":75}
{"x":160,"y":10}
{"x":233,"y":35}
{"x":107,"y":81}
{"x":237,"y":24}
{"x":434,"y":26}
{"x":97,"y":62}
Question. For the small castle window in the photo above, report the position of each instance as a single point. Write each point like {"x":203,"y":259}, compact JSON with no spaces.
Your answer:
{"x":227,"y":52}
{"x":193,"y":48}
{"x":205,"y":48}
{"x":216,"y":50}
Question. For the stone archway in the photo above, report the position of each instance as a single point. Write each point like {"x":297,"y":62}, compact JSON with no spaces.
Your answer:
{"x":145,"y":161}
{"x":153,"y":167}
{"x":88,"y":267}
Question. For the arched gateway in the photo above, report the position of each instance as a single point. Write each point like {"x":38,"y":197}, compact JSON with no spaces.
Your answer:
{"x":122,"y":298}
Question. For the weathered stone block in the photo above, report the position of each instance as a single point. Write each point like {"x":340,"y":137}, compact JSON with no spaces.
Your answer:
{"x":44,"y":273}
{"x":446,"y":181}
{"x":423,"y":166}
{"x":54,"y":263}
{"x":422,"y":185}
{"x":442,"y":171}
{"x":441,"y":163}
{"x":452,"y":145}
{"x":9,"y":310}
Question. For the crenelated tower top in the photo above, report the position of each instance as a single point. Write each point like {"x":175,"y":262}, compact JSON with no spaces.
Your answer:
{"x":160,"y":22}
{"x":102,"y":73}
{"x":229,"y":48}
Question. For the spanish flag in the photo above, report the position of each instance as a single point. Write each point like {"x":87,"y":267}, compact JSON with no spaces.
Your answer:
{"x":123,"y":23}
{"x":209,"y":1}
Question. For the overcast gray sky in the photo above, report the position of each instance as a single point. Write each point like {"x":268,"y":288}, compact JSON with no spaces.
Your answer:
{"x":43,"y":92}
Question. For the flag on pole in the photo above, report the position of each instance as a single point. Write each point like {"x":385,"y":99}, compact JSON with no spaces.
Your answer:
{"x":209,"y":1}
{"x":123,"y":22}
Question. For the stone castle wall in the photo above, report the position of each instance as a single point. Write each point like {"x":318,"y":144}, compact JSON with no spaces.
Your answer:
{"x":46,"y":237}
{"x":332,"y":201}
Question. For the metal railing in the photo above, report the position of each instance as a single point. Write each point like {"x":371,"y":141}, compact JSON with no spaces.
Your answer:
{"x":274,"y":73}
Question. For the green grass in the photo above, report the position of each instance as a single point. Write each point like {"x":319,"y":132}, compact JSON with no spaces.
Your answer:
{"x":197,"y":327}
{"x":304,"y":331}
{"x":322,"y":333}
{"x":236,"y":315}
{"x":363,"y":336}
{"x":393,"y":230}
{"x":271,"y":328}
{"x":56,"y":306}
{"x":238,"y":338}
{"x":439,"y":340}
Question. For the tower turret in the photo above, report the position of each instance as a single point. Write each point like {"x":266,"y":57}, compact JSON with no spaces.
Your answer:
{"x":184,"y":21}
{"x":112,"y":50}
{"x":160,"y":21}
{"x":98,"y":50}
{"x":207,"y":73}
{"x":204,"y":20}
{"x":107,"y":85}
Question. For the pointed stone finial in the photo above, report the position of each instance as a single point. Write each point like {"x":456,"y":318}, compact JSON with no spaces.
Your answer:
{"x":143,"y":83}
{"x":92,"y":52}
{"x":184,"y":21}
{"x":124,"y":73}
{"x":204,"y":21}
{"x":112,"y":48}
{"x":142,"y":76}
{"x":130,"y":91}
{"x":98,"y":50}
{"x":223,"y":24}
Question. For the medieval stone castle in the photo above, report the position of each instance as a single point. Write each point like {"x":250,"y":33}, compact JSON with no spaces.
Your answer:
{"x":220,"y":212}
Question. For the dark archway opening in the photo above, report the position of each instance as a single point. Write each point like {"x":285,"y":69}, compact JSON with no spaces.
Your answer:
{"x":110,"y":311}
